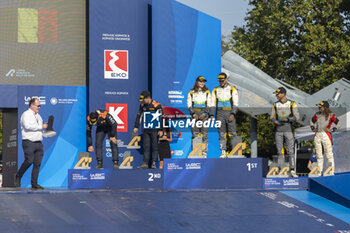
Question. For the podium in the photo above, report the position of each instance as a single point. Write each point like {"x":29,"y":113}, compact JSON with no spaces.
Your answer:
{"x":115,"y":179}
{"x":239,"y":173}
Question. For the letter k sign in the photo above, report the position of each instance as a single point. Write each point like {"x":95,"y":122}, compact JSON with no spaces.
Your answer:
{"x":120,"y":114}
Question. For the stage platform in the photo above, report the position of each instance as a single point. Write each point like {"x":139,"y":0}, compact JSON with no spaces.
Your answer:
{"x":238,"y":173}
{"x":234,"y":173}
{"x":150,"y":211}
{"x":335,"y":188}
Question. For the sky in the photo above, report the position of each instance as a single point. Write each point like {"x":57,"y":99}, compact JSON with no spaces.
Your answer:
{"x":230,"y":12}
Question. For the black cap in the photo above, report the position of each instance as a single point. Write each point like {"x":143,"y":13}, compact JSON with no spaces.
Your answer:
{"x":93,"y":118}
{"x":222,"y":76}
{"x":93,"y":115}
{"x":323,"y":103}
{"x":201,"y":78}
{"x":144,"y":95}
{"x":280,"y":90}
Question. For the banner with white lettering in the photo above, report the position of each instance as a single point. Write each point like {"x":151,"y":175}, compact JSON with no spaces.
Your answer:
{"x":119,"y":66}
{"x":68,"y":106}
{"x":189,"y":47}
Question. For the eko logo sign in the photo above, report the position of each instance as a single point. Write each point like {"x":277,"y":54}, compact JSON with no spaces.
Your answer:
{"x":116,"y":64}
{"x":120,"y":115}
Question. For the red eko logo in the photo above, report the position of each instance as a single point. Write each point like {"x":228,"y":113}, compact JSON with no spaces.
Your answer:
{"x":116,"y":64}
{"x":120,"y":114}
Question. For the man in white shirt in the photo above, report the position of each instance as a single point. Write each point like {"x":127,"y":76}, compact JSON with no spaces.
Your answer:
{"x":32,"y":134}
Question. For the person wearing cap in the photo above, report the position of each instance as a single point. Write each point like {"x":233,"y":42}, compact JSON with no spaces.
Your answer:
{"x":225,"y":103}
{"x":106,"y":125}
{"x":284,"y":112}
{"x":198,"y":104}
{"x":150,"y":135}
{"x":323,"y":123}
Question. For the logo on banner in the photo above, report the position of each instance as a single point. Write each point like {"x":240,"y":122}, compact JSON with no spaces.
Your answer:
{"x":42,"y":99}
{"x":54,"y":101}
{"x":116,"y":64}
{"x":151,"y":120}
{"x":120,"y":115}
{"x":21,"y":73}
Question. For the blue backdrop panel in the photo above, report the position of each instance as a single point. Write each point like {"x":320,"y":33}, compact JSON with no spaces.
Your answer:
{"x":120,"y":26}
{"x":115,"y":179}
{"x":335,"y":188}
{"x":214,"y":173}
{"x":185,"y":44}
{"x":68,"y":106}
{"x":286,"y":183}
{"x":8,"y":96}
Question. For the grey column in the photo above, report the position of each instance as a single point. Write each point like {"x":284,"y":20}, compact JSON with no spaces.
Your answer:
{"x":253,"y":137}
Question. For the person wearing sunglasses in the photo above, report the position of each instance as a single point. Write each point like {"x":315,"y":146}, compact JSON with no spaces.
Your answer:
{"x":225,"y":102}
{"x":284,"y":112}
{"x":105,"y":125}
{"x":32,"y":127}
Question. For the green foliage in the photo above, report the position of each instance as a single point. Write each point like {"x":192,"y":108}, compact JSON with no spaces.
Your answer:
{"x":305,"y":43}
{"x":302,"y":42}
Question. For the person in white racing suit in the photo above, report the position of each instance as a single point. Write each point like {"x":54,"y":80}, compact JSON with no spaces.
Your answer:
{"x":323,"y":123}
{"x":199,"y":106}
{"x":225,"y":103}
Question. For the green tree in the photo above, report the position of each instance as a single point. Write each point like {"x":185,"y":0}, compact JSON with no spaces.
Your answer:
{"x":302,"y":42}
{"x":305,"y":43}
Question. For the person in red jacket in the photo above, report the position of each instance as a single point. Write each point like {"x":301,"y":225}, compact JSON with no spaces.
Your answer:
{"x":323,"y":123}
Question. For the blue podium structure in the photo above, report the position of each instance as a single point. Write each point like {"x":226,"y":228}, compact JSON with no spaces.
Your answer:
{"x":240,"y":173}
{"x":235,"y":173}
{"x":115,"y":179}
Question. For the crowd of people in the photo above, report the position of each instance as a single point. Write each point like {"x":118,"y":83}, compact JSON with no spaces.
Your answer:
{"x":203,"y":105}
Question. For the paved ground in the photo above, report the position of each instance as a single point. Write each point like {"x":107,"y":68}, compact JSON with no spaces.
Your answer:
{"x":164,"y":211}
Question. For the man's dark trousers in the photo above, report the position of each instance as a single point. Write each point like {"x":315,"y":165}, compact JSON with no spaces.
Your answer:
{"x":150,"y":139}
{"x":33,"y":154}
{"x":101,"y":133}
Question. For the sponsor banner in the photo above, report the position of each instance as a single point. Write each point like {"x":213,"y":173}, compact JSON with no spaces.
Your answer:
{"x":120,"y":115}
{"x":116,"y":64}
{"x":68,"y":106}
{"x":115,"y":179}
{"x":190,"y":47}
{"x":286,"y":183}
{"x":203,"y":173}
{"x":119,"y":65}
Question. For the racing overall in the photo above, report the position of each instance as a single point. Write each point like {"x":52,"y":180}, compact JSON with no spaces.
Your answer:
{"x":225,"y":101}
{"x":288,"y":110}
{"x":150,"y":136}
{"x":198,"y":103}
{"x":323,"y":136}
{"x":106,"y":125}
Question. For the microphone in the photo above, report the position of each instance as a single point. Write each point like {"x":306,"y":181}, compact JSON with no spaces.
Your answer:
{"x":49,"y":132}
